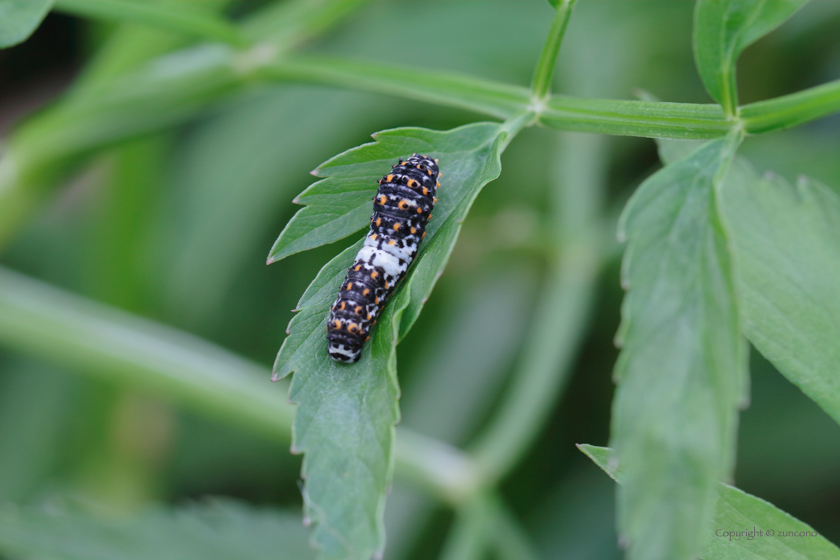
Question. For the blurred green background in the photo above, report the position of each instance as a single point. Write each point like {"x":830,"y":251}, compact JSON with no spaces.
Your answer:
{"x":176,"y":226}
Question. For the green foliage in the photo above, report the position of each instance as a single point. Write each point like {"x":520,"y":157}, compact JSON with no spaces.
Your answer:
{"x":736,"y":511}
{"x":722,"y":30}
{"x":346,"y":413}
{"x":180,"y":15}
{"x":786,"y":247}
{"x":20,"y":18}
{"x":218,"y":530}
{"x":682,"y":371}
{"x":714,"y":253}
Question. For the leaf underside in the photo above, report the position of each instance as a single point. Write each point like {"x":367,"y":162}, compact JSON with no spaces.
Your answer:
{"x":786,"y":245}
{"x":735,"y":510}
{"x":346,"y":412}
{"x":681,"y":372}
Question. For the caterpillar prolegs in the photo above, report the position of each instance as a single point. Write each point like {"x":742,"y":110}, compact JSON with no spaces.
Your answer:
{"x":401,"y":209}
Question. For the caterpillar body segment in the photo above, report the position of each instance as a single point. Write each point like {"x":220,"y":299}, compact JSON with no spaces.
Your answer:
{"x":402,"y":208}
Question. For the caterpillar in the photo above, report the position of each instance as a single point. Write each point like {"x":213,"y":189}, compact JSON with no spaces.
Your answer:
{"x":401,"y":209}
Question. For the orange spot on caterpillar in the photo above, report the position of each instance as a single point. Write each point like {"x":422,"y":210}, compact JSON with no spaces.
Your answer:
{"x":397,"y":226}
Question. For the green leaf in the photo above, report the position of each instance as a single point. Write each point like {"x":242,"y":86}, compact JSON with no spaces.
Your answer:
{"x":20,"y":18}
{"x":735,"y":510}
{"x":681,"y":373}
{"x":218,"y":530}
{"x":340,"y":204}
{"x":177,"y":15}
{"x":786,"y":247}
{"x":722,"y":30}
{"x":346,"y":413}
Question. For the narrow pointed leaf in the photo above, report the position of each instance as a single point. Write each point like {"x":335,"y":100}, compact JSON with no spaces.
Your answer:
{"x":20,"y":18}
{"x":723,"y":29}
{"x":734,"y":511}
{"x":681,"y":373}
{"x":346,"y":413}
{"x":786,"y":246}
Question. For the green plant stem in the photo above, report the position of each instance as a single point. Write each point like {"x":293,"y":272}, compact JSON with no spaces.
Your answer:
{"x":181,"y":17}
{"x":484,"y":522}
{"x":469,"y":535}
{"x":562,"y":316}
{"x":432,"y":86}
{"x":541,"y":83}
{"x":93,"y":339}
{"x":791,"y":110}
{"x":507,"y":538}
{"x":652,"y":119}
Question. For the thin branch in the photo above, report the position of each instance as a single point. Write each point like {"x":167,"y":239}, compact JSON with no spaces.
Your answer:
{"x":541,"y":82}
{"x":560,"y":324}
{"x":93,"y":339}
{"x":792,"y":110}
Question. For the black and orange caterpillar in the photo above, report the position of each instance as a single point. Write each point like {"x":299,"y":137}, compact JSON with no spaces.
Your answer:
{"x":401,"y":209}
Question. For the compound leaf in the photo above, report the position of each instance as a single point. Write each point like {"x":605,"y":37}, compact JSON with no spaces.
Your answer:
{"x":723,"y":29}
{"x":786,"y":246}
{"x":346,"y":413}
{"x":736,"y":511}
{"x":681,"y":373}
